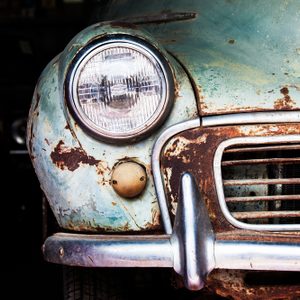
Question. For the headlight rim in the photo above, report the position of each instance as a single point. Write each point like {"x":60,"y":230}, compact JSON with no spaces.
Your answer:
{"x":138,"y":41}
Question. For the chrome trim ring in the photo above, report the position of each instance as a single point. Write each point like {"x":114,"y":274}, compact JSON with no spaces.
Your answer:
{"x":139,"y":45}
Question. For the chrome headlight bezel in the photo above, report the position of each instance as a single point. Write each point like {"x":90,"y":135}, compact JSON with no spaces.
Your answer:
{"x":92,"y":49}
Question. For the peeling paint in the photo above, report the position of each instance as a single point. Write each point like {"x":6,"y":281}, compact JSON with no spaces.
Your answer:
{"x":236,"y":53}
{"x":70,"y":159}
{"x":233,"y":284}
{"x":75,"y":169}
{"x":285,"y":103}
{"x":200,"y":163}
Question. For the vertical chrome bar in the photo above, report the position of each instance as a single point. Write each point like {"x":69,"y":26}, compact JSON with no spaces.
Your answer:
{"x":155,"y":161}
{"x":193,"y":236}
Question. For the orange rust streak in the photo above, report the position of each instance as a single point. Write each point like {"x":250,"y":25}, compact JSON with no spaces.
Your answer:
{"x":266,"y":214}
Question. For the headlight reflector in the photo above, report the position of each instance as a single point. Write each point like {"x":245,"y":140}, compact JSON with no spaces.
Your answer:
{"x":119,"y":89}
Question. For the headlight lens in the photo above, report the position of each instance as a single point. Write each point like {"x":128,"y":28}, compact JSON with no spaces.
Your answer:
{"x":120,"y":89}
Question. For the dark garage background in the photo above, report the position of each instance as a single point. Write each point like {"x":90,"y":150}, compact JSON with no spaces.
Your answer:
{"x":31,"y":34}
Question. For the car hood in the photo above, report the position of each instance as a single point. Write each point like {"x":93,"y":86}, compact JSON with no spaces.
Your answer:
{"x":241,"y":55}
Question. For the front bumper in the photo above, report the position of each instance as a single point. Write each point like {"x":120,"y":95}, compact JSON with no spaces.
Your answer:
{"x":192,"y":249}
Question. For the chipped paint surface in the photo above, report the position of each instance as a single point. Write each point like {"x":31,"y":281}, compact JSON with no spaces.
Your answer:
{"x":241,"y":54}
{"x":233,"y":284}
{"x":195,"y":151}
{"x":75,"y":170}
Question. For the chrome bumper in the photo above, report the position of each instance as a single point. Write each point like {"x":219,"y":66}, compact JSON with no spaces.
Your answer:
{"x":191,"y":249}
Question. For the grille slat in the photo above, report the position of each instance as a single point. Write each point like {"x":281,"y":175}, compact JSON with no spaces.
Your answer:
{"x":261,"y":182}
{"x":263,"y":198}
{"x":266,"y":214}
{"x":260,"y":161}
{"x":262,"y":148}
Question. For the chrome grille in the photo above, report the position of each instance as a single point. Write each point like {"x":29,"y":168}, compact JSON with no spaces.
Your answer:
{"x":260,"y":182}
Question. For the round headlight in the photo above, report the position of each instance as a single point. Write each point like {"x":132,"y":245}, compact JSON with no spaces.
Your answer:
{"x":120,"y":88}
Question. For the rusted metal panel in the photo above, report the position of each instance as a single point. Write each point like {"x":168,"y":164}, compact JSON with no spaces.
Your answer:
{"x":194,"y":150}
{"x":261,"y":181}
{"x":243,"y":55}
{"x":262,"y":198}
{"x":260,"y":161}
{"x":233,"y":284}
{"x":75,"y":170}
{"x":265,"y":214}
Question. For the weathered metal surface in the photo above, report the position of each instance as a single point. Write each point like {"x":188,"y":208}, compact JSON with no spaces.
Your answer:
{"x":109,"y":251}
{"x":238,"y":181}
{"x":192,"y":250}
{"x":193,"y":151}
{"x":263,"y":198}
{"x":262,"y":148}
{"x":261,"y":181}
{"x":243,"y":55}
{"x":74,"y":169}
{"x":232,"y":284}
{"x":260,"y":161}
{"x":265,"y":214}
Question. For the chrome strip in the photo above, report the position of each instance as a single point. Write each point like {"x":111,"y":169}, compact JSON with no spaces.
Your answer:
{"x":252,"y":118}
{"x":250,"y":255}
{"x":109,"y":250}
{"x":155,"y":161}
{"x":191,"y":250}
{"x":219,"y":179}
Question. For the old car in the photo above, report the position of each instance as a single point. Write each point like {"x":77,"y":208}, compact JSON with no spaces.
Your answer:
{"x":167,"y":136}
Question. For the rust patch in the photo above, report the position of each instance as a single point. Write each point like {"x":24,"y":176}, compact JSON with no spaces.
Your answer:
{"x":70,"y":159}
{"x":193,"y":151}
{"x":102,"y":168}
{"x":176,"y":89}
{"x":155,"y":222}
{"x":30,"y":139}
{"x":232,"y":109}
{"x":285,"y":103}
{"x":69,"y":128}
{"x":37,"y":101}
{"x":232,"y":284}
{"x":284,"y":91}
{"x":104,"y":171}
{"x":201,"y":100}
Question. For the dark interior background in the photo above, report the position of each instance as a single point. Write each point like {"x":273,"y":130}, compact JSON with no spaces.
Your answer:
{"x":31,"y":34}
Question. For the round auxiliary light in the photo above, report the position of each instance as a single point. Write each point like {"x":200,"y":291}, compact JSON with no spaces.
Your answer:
{"x":120,"y":89}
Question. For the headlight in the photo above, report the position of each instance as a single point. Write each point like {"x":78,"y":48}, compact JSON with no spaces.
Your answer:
{"x":120,"y":88}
